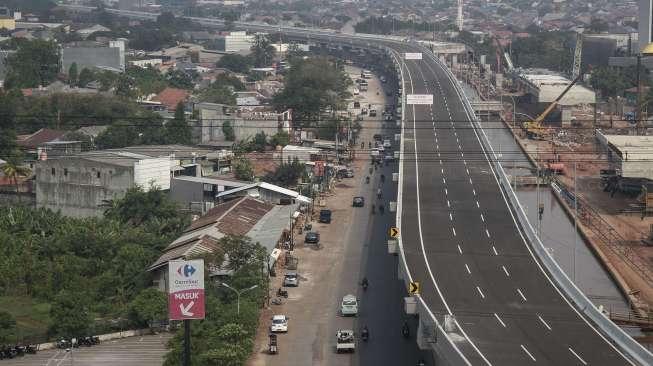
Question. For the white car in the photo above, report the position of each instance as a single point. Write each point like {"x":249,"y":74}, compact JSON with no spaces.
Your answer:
{"x":349,"y":305}
{"x":279,"y":324}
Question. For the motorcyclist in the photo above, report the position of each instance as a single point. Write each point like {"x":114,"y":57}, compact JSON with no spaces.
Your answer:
{"x":382,"y":178}
{"x":381,"y":209}
{"x":365,"y":283}
{"x":365,"y":333}
{"x":405,"y":330}
{"x":367,"y":179}
{"x":421,"y":362}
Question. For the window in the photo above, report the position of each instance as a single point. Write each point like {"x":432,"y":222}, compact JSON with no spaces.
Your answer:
{"x":65,"y":172}
{"x":52,"y":171}
{"x":98,"y":175}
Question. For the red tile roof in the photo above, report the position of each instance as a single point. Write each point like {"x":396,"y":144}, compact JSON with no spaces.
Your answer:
{"x":170,"y":97}
{"x":40,"y":137}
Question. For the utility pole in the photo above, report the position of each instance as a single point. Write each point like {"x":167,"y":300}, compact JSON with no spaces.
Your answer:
{"x":186,"y":342}
{"x":575,"y":220}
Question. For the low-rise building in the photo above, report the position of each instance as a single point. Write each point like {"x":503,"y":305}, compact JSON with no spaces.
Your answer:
{"x":103,"y":58}
{"x":235,"y":42}
{"x":262,"y":222}
{"x":200,"y":194}
{"x":267,"y":192}
{"x":80,"y":185}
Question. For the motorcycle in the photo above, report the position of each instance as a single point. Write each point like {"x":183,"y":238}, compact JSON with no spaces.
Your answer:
{"x":365,"y":334}
{"x":365,"y":283}
{"x":381,"y":209}
{"x":382,"y":178}
{"x":282,"y":293}
{"x":379,"y":195}
{"x":405,"y":330}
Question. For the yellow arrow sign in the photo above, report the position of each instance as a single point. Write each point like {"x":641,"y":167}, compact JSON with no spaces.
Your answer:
{"x":413,"y":288}
{"x":394,"y":232}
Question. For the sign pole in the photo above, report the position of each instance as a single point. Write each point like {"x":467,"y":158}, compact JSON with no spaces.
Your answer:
{"x":187,"y":342}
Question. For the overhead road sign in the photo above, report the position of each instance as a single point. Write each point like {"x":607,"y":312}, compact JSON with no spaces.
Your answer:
{"x":413,"y":55}
{"x":186,"y":289}
{"x":413,"y":288}
{"x":419,"y":99}
{"x":394,"y":232}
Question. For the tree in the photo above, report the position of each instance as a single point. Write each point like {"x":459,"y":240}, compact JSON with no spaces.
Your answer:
{"x":287,"y":174}
{"x":281,"y":138}
{"x":13,"y":170}
{"x":7,"y":327}
{"x":235,"y":62}
{"x":139,"y":207}
{"x":228,"y":131}
{"x":36,"y":62}
{"x":72,"y":74}
{"x":180,"y":79}
{"x":598,"y":25}
{"x":85,"y":77}
{"x":243,"y":169}
{"x":218,"y":94}
{"x":69,"y":314}
{"x":259,"y":141}
{"x":119,"y":134}
{"x":178,"y":131}
{"x":262,"y":51}
{"x":8,"y":145}
{"x":148,"y":306}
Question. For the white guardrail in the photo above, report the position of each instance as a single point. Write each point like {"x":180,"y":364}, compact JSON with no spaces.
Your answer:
{"x":615,"y":334}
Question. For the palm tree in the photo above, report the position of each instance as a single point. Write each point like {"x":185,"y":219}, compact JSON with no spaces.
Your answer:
{"x":12,"y":170}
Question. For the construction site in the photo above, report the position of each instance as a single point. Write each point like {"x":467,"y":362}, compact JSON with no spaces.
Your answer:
{"x":595,"y":158}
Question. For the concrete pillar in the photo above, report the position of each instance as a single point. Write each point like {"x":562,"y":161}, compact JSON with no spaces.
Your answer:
{"x":499,"y":82}
{"x":566,"y":116}
{"x":454,"y":60}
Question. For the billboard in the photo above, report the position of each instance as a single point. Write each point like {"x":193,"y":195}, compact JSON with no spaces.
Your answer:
{"x":413,"y":56}
{"x":186,"y":289}
{"x":419,"y":99}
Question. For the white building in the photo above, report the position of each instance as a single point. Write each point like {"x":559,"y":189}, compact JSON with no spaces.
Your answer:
{"x":645,"y":23}
{"x":154,"y":62}
{"x":547,"y":87}
{"x":301,"y":153}
{"x":235,"y":42}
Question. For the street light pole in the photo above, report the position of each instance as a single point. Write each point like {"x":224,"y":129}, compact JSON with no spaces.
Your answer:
{"x":238,"y":294}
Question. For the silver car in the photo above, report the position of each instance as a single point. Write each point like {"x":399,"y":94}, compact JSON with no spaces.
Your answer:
{"x":349,"y":305}
{"x":291,"y":279}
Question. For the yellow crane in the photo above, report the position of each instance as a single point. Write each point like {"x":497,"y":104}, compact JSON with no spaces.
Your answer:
{"x":534,"y":129}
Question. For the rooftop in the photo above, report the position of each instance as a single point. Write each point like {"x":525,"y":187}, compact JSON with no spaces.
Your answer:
{"x":632,"y":147}
{"x":170,"y":97}
{"x":40,"y":137}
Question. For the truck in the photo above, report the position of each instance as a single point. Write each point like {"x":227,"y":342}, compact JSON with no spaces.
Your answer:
{"x":345,"y":341}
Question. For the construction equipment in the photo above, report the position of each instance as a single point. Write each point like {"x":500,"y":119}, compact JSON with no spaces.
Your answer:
{"x":578,"y":52}
{"x":534,"y":129}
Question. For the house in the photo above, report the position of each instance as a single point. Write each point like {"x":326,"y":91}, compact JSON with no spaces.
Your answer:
{"x":302,"y":153}
{"x":81,"y":184}
{"x":171,"y":97}
{"x":199,"y":194}
{"x":103,"y":58}
{"x":32,"y":142}
{"x":92,"y":132}
{"x":267,"y":192}
{"x":263,"y":222}
{"x":85,"y":32}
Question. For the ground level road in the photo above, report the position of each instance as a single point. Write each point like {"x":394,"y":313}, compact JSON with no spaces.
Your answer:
{"x":146,"y":350}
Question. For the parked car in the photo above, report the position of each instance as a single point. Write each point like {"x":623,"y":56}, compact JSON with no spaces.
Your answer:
{"x":279,"y":324}
{"x":358,"y":201}
{"x":349,"y":173}
{"x":312,"y":237}
{"x":291,"y":279}
{"x":325,"y":216}
{"x":349,"y":305}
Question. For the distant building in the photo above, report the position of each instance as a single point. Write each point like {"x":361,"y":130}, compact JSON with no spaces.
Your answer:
{"x":629,"y":156}
{"x":200,"y":194}
{"x":645,"y":23}
{"x":85,"y":32}
{"x":171,"y":97}
{"x":154,"y":62}
{"x":8,"y":23}
{"x":235,"y":42}
{"x":104,"y":58}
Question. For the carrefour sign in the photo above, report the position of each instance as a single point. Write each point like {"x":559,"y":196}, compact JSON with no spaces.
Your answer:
{"x":186,"y":289}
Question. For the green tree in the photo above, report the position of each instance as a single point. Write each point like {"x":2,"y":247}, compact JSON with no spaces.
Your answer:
{"x":72,"y":74}
{"x":13,"y":169}
{"x":180,"y":79}
{"x":148,"y":306}
{"x":119,"y":134}
{"x":218,"y":94}
{"x":85,"y":77}
{"x":262,"y":51}
{"x":281,"y":138}
{"x":235,"y":62}
{"x":243,"y":169}
{"x":228,"y":131}
{"x":287,"y":174}
{"x":178,"y":131}
{"x":69,"y":314}
{"x":259,"y":141}
{"x":139,"y":207}
{"x":8,"y":145}
{"x":7,"y":327}
{"x":36,"y":62}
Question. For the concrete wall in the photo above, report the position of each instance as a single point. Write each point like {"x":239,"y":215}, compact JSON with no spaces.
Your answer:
{"x":211,"y":120}
{"x":72,"y":185}
{"x":247,"y":128}
{"x":92,"y":57}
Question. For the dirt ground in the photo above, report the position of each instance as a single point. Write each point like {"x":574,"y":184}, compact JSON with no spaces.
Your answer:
{"x":328,"y":272}
{"x":580,"y":154}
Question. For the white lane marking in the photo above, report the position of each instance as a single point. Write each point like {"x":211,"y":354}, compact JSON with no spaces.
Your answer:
{"x":474,"y":191}
{"x":440,"y":162}
{"x":480,"y":292}
{"x":446,"y":192}
{"x":482,"y":218}
{"x":438,"y":154}
{"x":545,"y":323}
{"x":577,"y":356}
{"x":487,"y":233}
{"x":448,"y":205}
{"x":505,"y":271}
{"x":467,"y":170}
{"x":442,"y":170}
{"x":470,"y":181}
{"x":495,"y":250}
{"x":450,"y":217}
{"x":522,"y":295}
{"x":460,"y":249}
{"x":454,"y":230}
{"x":465,"y":162}
{"x":477,"y":205}
{"x":500,"y":321}
{"x":460,"y":147}
{"x":467,"y":268}
{"x":444,"y":180}
{"x":528,"y":353}
{"x":437,"y":146}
